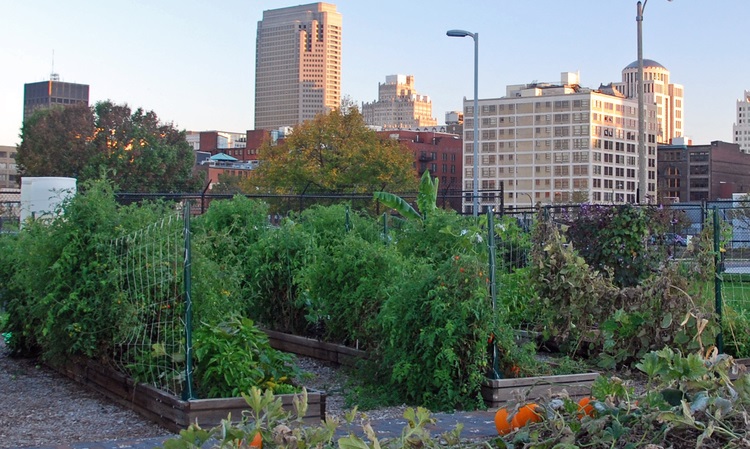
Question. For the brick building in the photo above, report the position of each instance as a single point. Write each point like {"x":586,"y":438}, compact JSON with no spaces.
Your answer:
{"x":440,"y":153}
{"x":687,"y":173}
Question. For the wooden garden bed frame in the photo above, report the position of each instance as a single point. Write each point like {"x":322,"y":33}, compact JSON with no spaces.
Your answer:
{"x":329,"y":352}
{"x":494,"y":392}
{"x":498,"y":392}
{"x":166,"y":409}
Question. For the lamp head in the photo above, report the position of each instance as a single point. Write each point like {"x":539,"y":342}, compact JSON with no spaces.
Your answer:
{"x":458,"y":33}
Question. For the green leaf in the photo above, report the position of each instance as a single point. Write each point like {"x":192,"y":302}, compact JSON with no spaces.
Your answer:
{"x":398,"y":203}
{"x":352,"y":442}
{"x":666,"y":320}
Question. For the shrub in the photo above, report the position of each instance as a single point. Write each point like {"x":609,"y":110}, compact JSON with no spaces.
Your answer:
{"x":345,"y":286}
{"x":614,"y":238}
{"x":328,"y":225}
{"x":436,"y":328}
{"x":272,"y":267}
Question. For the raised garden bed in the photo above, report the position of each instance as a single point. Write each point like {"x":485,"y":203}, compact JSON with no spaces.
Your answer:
{"x":497,"y":392}
{"x":166,"y":409}
{"x":329,"y":352}
{"x":494,"y":392}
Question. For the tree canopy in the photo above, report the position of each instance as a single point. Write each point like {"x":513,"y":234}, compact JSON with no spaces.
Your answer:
{"x":134,"y":149}
{"x":335,"y":152}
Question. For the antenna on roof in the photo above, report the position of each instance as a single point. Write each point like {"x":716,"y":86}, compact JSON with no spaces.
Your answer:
{"x":52,"y":75}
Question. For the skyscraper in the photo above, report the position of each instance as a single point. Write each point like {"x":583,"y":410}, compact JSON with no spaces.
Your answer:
{"x":741,"y":126}
{"x":297,"y":64}
{"x":658,"y":90}
{"x":45,"y":94}
{"x":399,"y":106}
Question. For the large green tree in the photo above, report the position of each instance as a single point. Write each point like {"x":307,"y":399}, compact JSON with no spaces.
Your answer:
{"x":55,"y":142}
{"x":137,"y":151}
{"x":334,"y":152}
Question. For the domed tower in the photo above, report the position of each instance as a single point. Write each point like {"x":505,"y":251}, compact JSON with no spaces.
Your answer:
{"x":657,"y":90}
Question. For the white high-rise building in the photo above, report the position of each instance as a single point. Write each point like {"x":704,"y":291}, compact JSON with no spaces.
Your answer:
{"x":657,"y":90}
{"x":399,"y":106}
{"x":557,"y":143}
{"x":741,"y":128}
{"x":297,"y":65}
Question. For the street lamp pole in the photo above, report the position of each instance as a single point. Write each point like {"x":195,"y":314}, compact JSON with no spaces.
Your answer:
{"x":642,"y":165}
{"x":475,"y":191}
{"x":531,"y":201}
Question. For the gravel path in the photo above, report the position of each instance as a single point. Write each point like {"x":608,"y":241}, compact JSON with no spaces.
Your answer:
{"x":40,"y":407}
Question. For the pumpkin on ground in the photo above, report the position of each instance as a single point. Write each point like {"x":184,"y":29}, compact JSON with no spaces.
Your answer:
{"x":585,"y":407}
{"x":257,"y":440}
{"x":525,"y":415}
{"x":502,"y":424}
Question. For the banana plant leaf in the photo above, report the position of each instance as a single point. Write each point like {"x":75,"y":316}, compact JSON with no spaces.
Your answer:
{"x":398,"y":203}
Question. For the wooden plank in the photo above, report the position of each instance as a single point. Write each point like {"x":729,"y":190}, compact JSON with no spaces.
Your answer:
{"x":320,"y":350}
{"x":528,"y":381}
{"x":497,"y":392}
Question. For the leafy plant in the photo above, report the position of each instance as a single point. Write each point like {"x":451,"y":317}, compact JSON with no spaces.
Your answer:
{"x":346,"y":285}
{"x":435,"y":331}
{"x":235,"y":356}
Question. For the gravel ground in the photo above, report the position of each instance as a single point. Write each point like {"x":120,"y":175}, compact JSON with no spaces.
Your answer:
{"x":39,"y":407}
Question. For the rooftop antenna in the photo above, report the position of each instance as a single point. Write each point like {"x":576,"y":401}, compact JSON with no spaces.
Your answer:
{"x":53,"y":76}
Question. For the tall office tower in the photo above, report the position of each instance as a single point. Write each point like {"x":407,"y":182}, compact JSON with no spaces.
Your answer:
{"x":741,"y":127}
{"x":297,"y":64}
{"x":54,"y":92}
{"x":556,"y":143}
{"x":399,"y":106}
{"x":657,"y":90}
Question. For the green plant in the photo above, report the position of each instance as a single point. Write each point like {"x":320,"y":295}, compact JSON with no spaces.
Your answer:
{"x":435,"y":331}
{"x":690,"y":403}
{"x":574,"y":298}
{"x":346,"y":285}
{"x":235,"y":356}
{"x":272,"y":266}
{"x":426,"y":199}
{"x":286,"y":429}
{"x":613,"y":238}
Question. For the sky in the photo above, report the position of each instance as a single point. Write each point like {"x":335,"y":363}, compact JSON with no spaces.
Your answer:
{"x":193,"y":61}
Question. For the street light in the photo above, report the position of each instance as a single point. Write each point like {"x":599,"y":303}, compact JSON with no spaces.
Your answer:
{"x":475,"y":36}
{"x":642,"y":178}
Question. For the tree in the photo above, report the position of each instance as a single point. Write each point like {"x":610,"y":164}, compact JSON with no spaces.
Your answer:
{"x":136,"y":150}
{"x":54,"y":142}
{"x":334,"y":152}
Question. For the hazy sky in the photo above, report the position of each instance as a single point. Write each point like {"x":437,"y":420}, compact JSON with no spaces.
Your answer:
{"x":192,"y":61}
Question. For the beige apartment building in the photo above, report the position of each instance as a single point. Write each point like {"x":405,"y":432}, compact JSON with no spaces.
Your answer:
{"x":399,"y":106}
{"x":741,"y":128}
{"x":297,"y":65}
{"x":659,"y":91}
{"x":553,"y":143}
{"x":8,"y":170}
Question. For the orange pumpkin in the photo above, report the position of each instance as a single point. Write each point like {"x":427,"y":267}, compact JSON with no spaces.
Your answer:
{"x":585,"y":407}
{"x":257,"y":440}
{"x":502,"y":424}
{"x":525,"y":415}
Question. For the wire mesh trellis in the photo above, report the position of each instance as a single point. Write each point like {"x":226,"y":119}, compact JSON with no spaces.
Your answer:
{"x":151,"y":340}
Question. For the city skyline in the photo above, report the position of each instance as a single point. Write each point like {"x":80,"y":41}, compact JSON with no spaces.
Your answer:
{"x":193,"y":63}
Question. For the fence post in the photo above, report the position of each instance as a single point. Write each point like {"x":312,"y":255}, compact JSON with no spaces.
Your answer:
{"x":187,"y":393}
{"x":718,"y":265}
{"x":495,"y":371}
{"x":385,"y":228}
{"x":347,"y":224}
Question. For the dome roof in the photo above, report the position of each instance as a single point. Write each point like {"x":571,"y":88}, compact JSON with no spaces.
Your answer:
{"x":646,"y":63}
